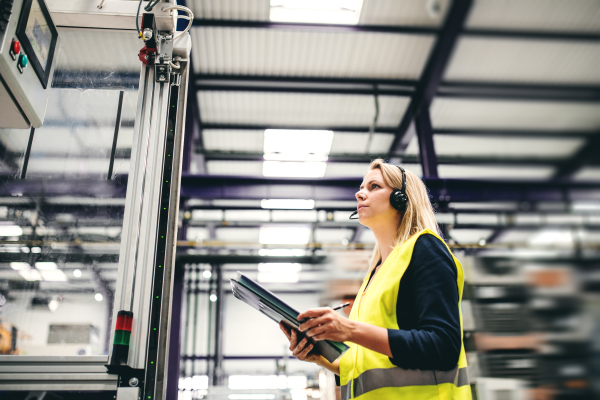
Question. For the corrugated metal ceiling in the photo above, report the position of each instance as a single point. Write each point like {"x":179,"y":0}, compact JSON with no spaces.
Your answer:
{"x":374,"y":12}
{"x":298,"y":109}
{"x":542,"y":15}
{"x":500,"y":114}
{"x":497,"y":146}
{"x":534,"y":61}
{"x":249,"y":51}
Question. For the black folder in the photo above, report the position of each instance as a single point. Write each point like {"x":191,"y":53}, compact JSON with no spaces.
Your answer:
{"x":273,"y":307}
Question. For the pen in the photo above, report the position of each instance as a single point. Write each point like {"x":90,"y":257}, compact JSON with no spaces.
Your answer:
{"x":341,"y":306}
{"x":334,"y":309}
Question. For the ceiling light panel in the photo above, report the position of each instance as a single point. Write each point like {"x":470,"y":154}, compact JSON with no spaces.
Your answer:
{"x":297,"y":145}
{"x":249,"y":51}
{"x":299,"y":109}
{"x":284,"y":235}
{"x":10,"y":230}
{"x":298,"y":204}
{"x":502,"y":114}
{"x":345,"y":12}
{"x":54,"y":275}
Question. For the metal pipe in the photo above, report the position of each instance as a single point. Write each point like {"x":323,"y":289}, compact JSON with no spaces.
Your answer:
{"x":27,"y":153}
{"x":116,"y":135}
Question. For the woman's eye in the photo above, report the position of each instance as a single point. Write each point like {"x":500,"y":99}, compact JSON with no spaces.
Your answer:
{"x":375,"y":186}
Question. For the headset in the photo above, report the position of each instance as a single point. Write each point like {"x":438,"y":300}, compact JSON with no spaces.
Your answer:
{"x":398,"y":198}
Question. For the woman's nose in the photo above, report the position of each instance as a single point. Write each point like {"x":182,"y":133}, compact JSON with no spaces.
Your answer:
{"x":360,"y":195}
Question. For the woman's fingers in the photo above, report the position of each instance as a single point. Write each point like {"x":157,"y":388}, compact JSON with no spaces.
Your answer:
{"x":300,"y":347}
{"x":293,"y":340}
{"x":311,"y":323}
{"x":285,"y":331}
{"x":313,"y":312}
{"x":316,"y":331}
{"x":304,"y":353}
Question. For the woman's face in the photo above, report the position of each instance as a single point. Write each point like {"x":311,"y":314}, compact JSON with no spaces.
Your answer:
{"x":374,"y":207}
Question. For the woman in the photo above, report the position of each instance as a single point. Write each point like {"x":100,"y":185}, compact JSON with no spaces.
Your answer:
{"x":405,"y":327}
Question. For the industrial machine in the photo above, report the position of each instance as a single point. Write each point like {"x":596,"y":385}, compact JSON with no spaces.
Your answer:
{"x":28,"y":42}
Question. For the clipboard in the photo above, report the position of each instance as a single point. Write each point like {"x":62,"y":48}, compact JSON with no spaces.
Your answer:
{"x":259,"y":298}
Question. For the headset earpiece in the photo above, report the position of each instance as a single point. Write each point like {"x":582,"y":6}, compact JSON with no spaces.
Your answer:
{"x":398,"y":197}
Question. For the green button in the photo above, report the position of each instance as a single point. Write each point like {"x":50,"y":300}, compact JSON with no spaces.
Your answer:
{"x":23,"y":60}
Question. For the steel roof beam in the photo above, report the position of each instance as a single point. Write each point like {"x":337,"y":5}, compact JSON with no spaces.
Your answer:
{"x":587,"y":155}
{"x":407,"y":159}
{"x":262,"y":127}
{"x":258,"y":188}
{"x":454,"y":89}
{"x":432,"y":75}
{"x":399,"y":29}
{"x":334,"y":89}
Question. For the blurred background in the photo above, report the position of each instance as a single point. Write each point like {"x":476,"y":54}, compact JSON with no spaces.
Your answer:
{"x":495,"y":103}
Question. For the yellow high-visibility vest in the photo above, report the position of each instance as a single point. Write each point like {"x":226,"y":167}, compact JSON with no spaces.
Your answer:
{"x":367,"y":374}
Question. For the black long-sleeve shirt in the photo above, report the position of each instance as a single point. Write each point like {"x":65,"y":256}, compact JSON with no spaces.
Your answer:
{"x":429,"y":337}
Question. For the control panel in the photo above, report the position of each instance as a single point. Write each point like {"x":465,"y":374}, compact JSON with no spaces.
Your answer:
{"x":28,"y":41}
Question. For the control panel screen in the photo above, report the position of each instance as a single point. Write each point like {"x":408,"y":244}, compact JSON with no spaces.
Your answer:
{"x":38,"y":37}
{"x":39,"y":34}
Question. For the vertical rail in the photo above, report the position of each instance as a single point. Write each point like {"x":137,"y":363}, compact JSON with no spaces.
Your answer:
{"x":27,"y":153}
{"x":175,"y":335}
{"x":115,"y":137}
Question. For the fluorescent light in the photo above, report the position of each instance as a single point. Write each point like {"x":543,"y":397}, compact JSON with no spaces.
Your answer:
{"x":54,"y":275}
{"x":258,"y":382}
{"x":77,"y":273}
{"x":207,"y":274}
{"x":294,"y":157}
{"x":345,"y":12}
{"x":53,"y":305}
{"x":197,"y":382}
{"x":98,"y":297}
{"x":45,"y":266}
{"x":212,"y":297}
{"x":294,"y":169}
{"x":20,"y":266}
{"x":552,"y":237}
{"x":296,"y":204}
{"x":585,"y":207}
{"x":10,"y":230}
{"x":280,"y":267}
{"x":297,"y":145}
{"x":284,"y":235}
{"x":251,"y":396}
{"x":36,"y":250}
{"x":278,"y":277}
{"x":31,"y":275}
{"x":282,"y":252}
{"x":279,"y":272}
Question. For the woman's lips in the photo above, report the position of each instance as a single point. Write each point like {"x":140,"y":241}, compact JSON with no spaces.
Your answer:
{"x":361,"y":207}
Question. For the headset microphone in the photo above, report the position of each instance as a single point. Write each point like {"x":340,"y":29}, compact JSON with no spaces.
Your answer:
{"x":398,"y":197}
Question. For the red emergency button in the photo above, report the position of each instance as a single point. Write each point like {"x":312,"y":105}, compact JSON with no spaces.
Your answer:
{"x":15,"y":49}
{"x":16,"y":46}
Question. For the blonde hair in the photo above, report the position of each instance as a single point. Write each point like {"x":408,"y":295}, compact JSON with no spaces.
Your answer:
{"x":419,"y":214}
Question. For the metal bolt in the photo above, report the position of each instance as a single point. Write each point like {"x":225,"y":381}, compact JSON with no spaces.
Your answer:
{"x":146,"y":56}
{"x":161,"y":78}
{"x":147,"y":34}
{"x":133,"y":381}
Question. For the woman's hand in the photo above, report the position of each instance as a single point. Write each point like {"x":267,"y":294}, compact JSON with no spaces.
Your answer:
{"x":326,"y":324}
{"x":299,"y":349}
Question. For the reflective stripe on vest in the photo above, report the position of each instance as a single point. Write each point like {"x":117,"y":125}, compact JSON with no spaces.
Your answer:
{"x":397,"y":377}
